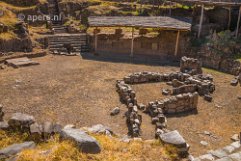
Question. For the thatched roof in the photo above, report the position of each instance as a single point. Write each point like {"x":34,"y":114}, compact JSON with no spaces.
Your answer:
{"x":166,"y":23}
{"x":211,"y":2}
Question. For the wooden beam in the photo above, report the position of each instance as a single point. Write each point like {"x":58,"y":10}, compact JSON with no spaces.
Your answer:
{"x":200,"y":22}
{"x":132,"y":42}
{"x":229,"y":17}
{"x":237,"y":29}
{"x":177,"y":43}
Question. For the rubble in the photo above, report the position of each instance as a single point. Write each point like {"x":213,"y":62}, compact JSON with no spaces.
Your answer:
{"x":190,"y":65}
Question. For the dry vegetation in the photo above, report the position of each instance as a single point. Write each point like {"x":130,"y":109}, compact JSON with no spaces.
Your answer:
{"x":112,"y":150}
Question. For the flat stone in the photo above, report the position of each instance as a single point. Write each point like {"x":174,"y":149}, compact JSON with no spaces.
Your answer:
{"x":19,"y":62}
{"x":15,"y":148}
{"x":115,"y":111}
{"x":21,"y":121}
{"x":100,"y":129}
{"x":219,"y":153}
{"x":86,"y":143}
{"x":235,"y":137}
{"x":236,"y":144}
{"x":69,"y":126}
{"x":206,"y":157}
{"x":204,"y":143}
{"x":173,"y":138}
{"x":229,"y":149}
{"x":235,"y":156}
{"x":225,"y":159}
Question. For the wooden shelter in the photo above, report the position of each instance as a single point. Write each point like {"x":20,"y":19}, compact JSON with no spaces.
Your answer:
{"x":135,"y":22}
{"x":228,"y":4}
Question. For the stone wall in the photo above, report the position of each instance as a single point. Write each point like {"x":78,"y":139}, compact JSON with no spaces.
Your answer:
{"x":175,"y":104}
{"x":128,"y":96}
{"x":216,"y":61}
{"x":16,"y":45}
{"x":182,"y":82}
{"x":162,"y":45}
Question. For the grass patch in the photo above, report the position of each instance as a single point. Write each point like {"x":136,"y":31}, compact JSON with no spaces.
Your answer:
{"x":7,"y":139}
{"x":112,"y":150}
{"x":8,"y":36}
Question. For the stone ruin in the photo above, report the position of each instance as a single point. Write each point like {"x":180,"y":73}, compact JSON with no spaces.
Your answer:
{"x":187,"y":86}
{"x":236,"y":80}
{"x":181,"y":82}
{"x":174,"y":104}
{"x":190,"y":65}
{"x":128,"y":96}
{"x":41,"y":132}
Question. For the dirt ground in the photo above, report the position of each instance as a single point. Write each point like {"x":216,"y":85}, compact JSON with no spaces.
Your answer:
{"x":82,"y":92}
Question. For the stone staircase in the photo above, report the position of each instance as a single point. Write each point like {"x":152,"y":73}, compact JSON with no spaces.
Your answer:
{"x":62,"y":42}
{"x":56,"y":21}
{"x":231,"y":152}
{"x":76,"y":42}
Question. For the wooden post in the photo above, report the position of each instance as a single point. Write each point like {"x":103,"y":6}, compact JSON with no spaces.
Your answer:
{"x":132,"y":42}
{"x":239,"y":15}
{"x":96,"y":41}
{"x":229,"y":17}
{"x":177,"y":42}
{"x":201,"y":22}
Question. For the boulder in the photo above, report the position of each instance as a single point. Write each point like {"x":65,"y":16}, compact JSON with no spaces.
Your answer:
{"x":86,"y":143}
{"x":234,"y":82}
{"x":175,"y":139}
{"x":15,"y":148}
{"x":36,"y":131}
{"x":4,"y":125}
{"x":20,"y":121}
{"x":100,"y":129}
{"x":115,"y":111}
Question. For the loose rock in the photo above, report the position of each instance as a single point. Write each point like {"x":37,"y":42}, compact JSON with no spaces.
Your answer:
{"x":115,"y":111}
{"x":86,"y":143}
{"x":15,"y":148}
{"x":100,"y":129}
{"x":21,"y":122}
{"x":208,"y":98}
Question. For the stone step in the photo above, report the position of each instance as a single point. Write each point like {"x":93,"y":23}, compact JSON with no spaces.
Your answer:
{"x":59,"y":49}
{"x":62,"y":45}
{"x":67,"y":40}
{"x":59,"y":45}
{"x":222,"y":154}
